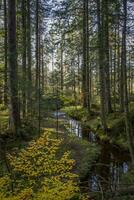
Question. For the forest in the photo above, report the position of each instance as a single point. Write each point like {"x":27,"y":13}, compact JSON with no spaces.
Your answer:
{"x":66,"y":100}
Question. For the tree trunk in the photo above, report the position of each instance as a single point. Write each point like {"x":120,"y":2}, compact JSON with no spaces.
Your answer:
{"x":24,"y":58}
{"x":5,"y":55}
{"x":101,"y":68}
{"x":37,"y":48}
{"x":42,"y":68}
{"x":105,"y":32}
{"x":61,"y":64}
{"x":85,"y":70}
{"x":125,"y":89}
{"x":29,"y":60}
{"x":13,"y":74}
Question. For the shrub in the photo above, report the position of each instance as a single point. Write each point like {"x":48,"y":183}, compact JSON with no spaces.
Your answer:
{"x":40,"y":172}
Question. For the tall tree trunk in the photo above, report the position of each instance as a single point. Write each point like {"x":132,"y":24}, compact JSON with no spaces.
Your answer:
{"x":115,"y":69}
{"x":42,"y":69}
{"x":123,"y":60}
{"x":101,"y":68}
{"x":39,"y":84}
{"x":118,"y":55}
{"x":78,"y":74}
{"x":61,"y":64}
{"x":85,"y":70}
{"x":24,"y":57}
{"x":105,"y":18}
{"x":124,"y":71}
{"x":5,"y":55}
{"x":29,"y":60}
{"x":37,"y":48}
{"x":13,"y":74}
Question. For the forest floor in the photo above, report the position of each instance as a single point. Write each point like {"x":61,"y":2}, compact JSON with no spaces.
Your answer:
{"x":113,"y":142}
{"x":88,"y":156}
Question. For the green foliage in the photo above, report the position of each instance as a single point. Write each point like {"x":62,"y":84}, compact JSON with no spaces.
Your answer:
{"x":76,"y":112}
{"x":28,"y":129}
{"x":83,"y":152}
{"x":3,"y":107}
{"x":128,"y":178}
{"x":52,"y":102}
{"x":4,"y":117}
{"x":40,"y":172}
{"x":68,"y":101}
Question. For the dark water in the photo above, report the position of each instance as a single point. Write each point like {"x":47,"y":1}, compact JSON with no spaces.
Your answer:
{"x":84,"y":133}
{"x":111,"y":164}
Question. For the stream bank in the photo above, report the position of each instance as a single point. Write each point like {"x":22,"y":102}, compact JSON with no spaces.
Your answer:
{"x":111,"y":163}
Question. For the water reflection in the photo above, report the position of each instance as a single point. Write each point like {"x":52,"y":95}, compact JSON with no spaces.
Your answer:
{"x":116,"y":171}
{"x":109,"y":173}
{"x":125,"y":167}
{"x":75,"y":127}
{"x":82,"y":132}
{"x":59,"y":114}
{"x":111,"y":162}
{"x":93,"y":183}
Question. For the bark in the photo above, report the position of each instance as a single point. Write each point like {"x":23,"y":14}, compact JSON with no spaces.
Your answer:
{"x":105,"y":32}
{"x":79,"y":86}
{"x":123,"y":60}
{"x":29,"y":59}
{"x":118,"y":59}
{"x":61,"y":65}
{"x":85,"y":70}
{"x":13,"y":74}
{"x":115,"y":69}
{"x":39,"y":85}
{"x":37,"y":48}
{"x":24,"y":57}
{"x":101,"y":68}
{"x":5,"y":55}
{"x":125,"y":88}
{"x":42,"y":68}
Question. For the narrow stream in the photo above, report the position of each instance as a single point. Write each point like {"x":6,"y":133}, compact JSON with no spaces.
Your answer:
{"x":111,"y":164}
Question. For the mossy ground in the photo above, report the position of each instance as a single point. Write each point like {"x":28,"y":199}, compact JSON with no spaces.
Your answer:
{"x":115,"y":122}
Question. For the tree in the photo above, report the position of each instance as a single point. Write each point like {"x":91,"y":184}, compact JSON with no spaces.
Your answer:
{"x":101,"y":67}
{"x":105,"y":41}
{"x":129,"y":131}
{"x":85,"y":70}
{"x":13,"y":75}
{"x":24,"y":72}
{"x":37,"y":48}
{"x":29,"y":58}
{"x":5,"y":54}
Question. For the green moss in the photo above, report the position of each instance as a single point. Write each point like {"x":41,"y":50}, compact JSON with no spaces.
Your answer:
{"x":116,"y":133}
{"x":83,"y":152}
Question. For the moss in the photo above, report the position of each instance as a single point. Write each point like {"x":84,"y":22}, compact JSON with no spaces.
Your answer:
{"x":116,"y":123}
{"x":116,"y":128}
{"x":83,"y":152}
